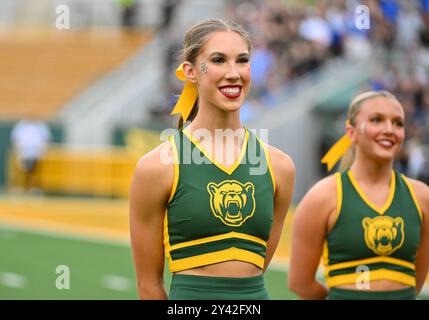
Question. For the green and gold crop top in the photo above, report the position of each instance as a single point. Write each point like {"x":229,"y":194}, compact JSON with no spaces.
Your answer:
{"x":382,"y":241}
{"x":215,"y":213}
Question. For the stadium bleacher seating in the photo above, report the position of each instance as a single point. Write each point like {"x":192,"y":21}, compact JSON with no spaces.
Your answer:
{"x":41,"y":69}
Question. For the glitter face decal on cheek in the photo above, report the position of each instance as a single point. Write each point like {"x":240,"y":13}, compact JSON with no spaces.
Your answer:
{"x":203,"y":67}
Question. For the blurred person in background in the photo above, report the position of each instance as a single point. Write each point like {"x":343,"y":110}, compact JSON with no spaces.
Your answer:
{"x":424,"y":173}
{"x":129,"y":13}
{"x":369,"y":222}
{"x":263,"y":66}
{"x":30,"y":138}
{"x":168,"y":10}
{"x":415,"y":152}
{"x":217,"y":223}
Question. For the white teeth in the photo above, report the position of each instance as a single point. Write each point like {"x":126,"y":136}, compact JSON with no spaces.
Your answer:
{"x":385,"y":143}
{"x":230,"y":90}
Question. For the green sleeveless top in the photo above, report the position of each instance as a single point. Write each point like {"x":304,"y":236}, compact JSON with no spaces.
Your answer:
{"x":216,"y":213}
{"x":382,"y":241}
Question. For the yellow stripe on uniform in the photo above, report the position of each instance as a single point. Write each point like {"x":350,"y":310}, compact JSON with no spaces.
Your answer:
{"x":173,"y":191}
{"x":216,"y":257}
{"x":325,"y":253}
{"x":268,"y":159}
{"x":166,"y":236}
{"x":237,"y":162}
{"x":228,"y":235}
{"x":348,"y":264}
{"x":176,"y":167}
{"x":339,"y":197}
{"x":379,"y":210}
{"x":413,"y":195}
{"x":381,"y":274}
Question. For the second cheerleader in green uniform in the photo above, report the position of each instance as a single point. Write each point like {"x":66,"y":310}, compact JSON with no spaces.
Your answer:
{"x":369,"y":223}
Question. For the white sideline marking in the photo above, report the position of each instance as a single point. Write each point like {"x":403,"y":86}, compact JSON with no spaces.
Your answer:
{"x":12,"y":280}
{"x":117,"y":283}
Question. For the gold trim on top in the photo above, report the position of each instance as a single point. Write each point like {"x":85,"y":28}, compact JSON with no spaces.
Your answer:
{"x":167,"y":247}
{"x":216,"y":257}
{"x":325,"y":253}
{"x":339,"y":198}
{"x":217,"y":238}
{"x":413,"y":195}
{"x":379,"y":210}
{"x":268,"y":160}
{"x":391,"y":260}
{"x":381,"y":274}
{"x":339,"y":194}
{"x":176,"y":167}
{"x":173,"y":191}
{"x":237,"y":162}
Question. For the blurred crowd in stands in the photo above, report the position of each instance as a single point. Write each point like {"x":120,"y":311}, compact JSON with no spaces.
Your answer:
{"x":404,"y":35}
{"x":294,"y":38}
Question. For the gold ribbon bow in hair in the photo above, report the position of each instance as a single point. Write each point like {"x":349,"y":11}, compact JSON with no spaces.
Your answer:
{"x":337,"y":151}
{"x":187,"y":97}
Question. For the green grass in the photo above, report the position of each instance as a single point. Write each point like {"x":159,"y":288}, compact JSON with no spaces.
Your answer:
{"x":36,"y":257}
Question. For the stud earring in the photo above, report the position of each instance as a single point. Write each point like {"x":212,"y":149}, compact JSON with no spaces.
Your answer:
{"x":203,"y":67}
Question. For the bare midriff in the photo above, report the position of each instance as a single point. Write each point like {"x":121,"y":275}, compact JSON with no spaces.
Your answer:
{"x":236,"y":269}
{"x":376,"y":285}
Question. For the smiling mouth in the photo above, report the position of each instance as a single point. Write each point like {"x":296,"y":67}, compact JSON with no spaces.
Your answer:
{"x":385,"y":143}
{"x":231,"y":92}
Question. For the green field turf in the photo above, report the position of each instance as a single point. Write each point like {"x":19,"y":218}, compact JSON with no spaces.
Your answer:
{"x":97,"y":270}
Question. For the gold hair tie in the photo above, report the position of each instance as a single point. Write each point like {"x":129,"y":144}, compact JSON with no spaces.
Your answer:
{"x":187,"y":97}
{"x":337,"y":151}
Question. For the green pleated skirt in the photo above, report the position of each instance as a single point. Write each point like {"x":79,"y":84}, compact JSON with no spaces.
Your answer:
{"x":346,"y":294}
{"x":190,"y":287}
